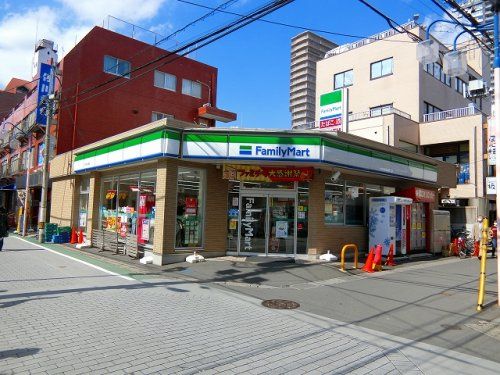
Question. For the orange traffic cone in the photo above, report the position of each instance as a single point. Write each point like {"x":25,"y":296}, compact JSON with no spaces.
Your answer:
{"x":73,"y":236}
{"x":377,"y":259}
{"x":390,"y":257}
{"x":80,"y":236}
{"x":369,"y":261}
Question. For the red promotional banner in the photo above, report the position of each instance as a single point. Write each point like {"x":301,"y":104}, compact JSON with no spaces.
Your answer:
{"x":267,"y":174}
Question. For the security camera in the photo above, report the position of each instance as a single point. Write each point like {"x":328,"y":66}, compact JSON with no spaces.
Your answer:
{"x":335,"y":176}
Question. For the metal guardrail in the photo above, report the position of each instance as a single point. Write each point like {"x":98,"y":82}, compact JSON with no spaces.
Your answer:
{"x":385,"y":34}
{"x":452,"y":113}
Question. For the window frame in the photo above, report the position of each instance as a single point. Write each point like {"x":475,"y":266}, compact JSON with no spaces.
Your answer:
{"x":382,"y":107}
{"x":116,"y":67}
{"x":203,"y":183}
{"x":191,"y":84}
{"x":344,"y":203}
{"x":164,"y":115}
{"x":164,"y":76}
{"x":342,"y":74}
{"x":381,"y":68}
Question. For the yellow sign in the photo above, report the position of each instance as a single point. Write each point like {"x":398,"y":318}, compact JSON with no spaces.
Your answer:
{"x":233,"y":224}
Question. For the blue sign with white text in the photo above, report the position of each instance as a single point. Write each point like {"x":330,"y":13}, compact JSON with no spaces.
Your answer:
{"x":45,"y":84}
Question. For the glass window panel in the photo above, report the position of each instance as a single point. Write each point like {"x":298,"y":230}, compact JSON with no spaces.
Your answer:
{"x":190,"y":195}
{"x":146,"y":209}
{"x":158,"y":79}
{"x":349,"y":78}
{"x":354,"y":202}
{"x":437,"y":71}
{"x":375,"y":70}
{"x":334,"y":203}
{"x":196,"y":90}
{"x":338,"y":81}
{"x":124,"y":68}
{"x":387,"y":67}
{"x":128,"y":189}
{"x":302,"y":217}
{"x":108,"y":205}
{"x":186,"y":87}
{"x":110,"y":64}
{"x":232,"y":215}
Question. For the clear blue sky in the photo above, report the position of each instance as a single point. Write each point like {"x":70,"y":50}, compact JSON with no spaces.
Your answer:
{"x":253,"y":63}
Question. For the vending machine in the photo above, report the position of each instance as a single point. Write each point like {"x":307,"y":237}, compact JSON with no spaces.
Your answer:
{"x":387,"y":223}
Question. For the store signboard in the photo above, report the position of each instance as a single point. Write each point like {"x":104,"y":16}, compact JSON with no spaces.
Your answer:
{"x":492,"y":153}
{"x":45,"y":88}
{"x":332,"y":111}
{"x":159,"y":143}
{"x":255,"y":173}
{"x":274,"y":148}
{"x":491,"y":185}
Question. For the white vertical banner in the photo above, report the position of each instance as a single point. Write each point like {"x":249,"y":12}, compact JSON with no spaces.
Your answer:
{"x":492,"y":159}
{"x":345,"y":110}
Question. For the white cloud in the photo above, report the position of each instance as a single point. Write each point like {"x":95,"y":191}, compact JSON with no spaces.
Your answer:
{"x":66,"y":25}
{"x":130,"y":10}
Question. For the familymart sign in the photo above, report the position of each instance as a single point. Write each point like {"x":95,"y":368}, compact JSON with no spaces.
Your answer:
{"x":333,"y":110}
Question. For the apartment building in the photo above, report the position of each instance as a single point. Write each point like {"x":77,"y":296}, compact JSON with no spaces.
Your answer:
{"x":394,"y":99}
{"x":307,"y":48}
{"x":103,"y":91}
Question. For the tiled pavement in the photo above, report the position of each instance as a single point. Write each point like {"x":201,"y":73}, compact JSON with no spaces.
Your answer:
{"x":62,"y":316}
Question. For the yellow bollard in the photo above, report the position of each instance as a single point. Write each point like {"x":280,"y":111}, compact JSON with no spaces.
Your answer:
{"x":482,"y":272}
{"x":342,"y":256}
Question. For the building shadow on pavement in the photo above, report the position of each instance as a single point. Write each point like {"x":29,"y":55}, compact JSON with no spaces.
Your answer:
{"x":16,"y":353}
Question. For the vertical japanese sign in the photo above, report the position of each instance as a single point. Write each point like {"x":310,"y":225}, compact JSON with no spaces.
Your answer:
{"x":492,"y":154}
{"x":333,"y":111}
{"x":45,"y":85}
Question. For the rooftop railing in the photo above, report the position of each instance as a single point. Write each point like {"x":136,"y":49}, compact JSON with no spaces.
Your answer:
{"x":360,"y":43}
{"x":452,"y":113}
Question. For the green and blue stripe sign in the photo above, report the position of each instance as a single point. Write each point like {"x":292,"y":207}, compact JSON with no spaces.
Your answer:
{"x":249,"y":147}
{"x":146,"y":146}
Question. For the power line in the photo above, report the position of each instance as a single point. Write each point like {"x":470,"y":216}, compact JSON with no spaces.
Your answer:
{"x":298,"y":27}
{"x":469,"y":18}
{"x":459,"y":23}
{"x":205,"y":40}
{"x":164,"y":39}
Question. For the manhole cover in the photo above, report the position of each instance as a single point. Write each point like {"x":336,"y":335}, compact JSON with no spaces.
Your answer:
{"x":281,"y":304}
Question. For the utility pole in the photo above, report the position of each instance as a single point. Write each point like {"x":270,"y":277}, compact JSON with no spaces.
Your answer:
{"x":42,"y":213}
{"x":27,"y":188}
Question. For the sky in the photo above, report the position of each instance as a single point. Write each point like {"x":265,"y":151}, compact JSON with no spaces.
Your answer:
{"x":253,"y":63}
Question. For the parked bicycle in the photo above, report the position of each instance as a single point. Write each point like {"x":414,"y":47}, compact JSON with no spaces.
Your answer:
{"x":462,"y":243}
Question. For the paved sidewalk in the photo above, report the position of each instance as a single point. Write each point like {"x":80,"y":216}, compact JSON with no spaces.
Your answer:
{"x":61,"y":316}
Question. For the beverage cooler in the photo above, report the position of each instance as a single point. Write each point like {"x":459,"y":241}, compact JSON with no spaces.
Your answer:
{"x":387,"y":223}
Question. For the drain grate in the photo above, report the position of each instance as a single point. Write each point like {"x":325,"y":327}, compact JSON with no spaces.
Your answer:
{"x":281,"y":304}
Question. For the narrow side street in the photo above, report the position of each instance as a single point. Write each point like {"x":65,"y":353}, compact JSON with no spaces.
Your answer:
{"x":62,"y":316}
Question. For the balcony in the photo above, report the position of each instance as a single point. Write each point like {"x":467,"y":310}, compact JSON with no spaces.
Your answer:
{"x":450,"y":114}
{"x":360,"y":116}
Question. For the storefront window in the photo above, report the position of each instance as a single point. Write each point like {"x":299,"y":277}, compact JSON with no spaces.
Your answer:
{"x":108,"y":204}
{"x":302,"y":217}
{"x":334,"y":202}
{"x":232,"y":215}
{"x":84,"y":203}
{"x":269,"y":185}
{"x":147,"y":209}
{"x":190,"y":199}
{"x":354,"y":200}
{"x":345,"y":203}
{"x":128,"y":206}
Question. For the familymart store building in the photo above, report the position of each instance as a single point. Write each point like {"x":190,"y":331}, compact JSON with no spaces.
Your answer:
{"x":220,"y":191}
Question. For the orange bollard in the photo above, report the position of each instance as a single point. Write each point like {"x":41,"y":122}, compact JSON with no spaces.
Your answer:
{"x":73,"y":239}
{"x":369,"y":261}
{"x":390,"y":257}
{"x":80,"y":236}
{"x":377,"y":259}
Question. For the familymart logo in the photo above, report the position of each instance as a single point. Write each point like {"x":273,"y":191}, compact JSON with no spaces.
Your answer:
{"x":245,"y":150}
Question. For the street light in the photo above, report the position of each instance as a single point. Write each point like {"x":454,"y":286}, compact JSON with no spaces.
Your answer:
{"x":454,"y":63}
{"x":26,"y":193}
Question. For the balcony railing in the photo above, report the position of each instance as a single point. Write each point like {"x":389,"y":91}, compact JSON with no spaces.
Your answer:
{"x":360,"y":116}
{"x":452,"y":113}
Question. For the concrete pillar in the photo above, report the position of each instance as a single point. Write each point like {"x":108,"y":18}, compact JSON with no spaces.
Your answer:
{"x":94,"y":201}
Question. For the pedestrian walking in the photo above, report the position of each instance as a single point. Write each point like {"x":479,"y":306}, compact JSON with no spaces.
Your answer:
{"x":4,"y":226}
{"x":493,"y":235}
{"x":477,"y":232}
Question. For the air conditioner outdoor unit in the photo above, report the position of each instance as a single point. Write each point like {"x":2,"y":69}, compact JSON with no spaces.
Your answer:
{"x":477,"y":88}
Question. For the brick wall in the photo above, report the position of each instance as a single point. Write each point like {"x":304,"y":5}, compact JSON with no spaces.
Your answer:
{"x":62,"y":205}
